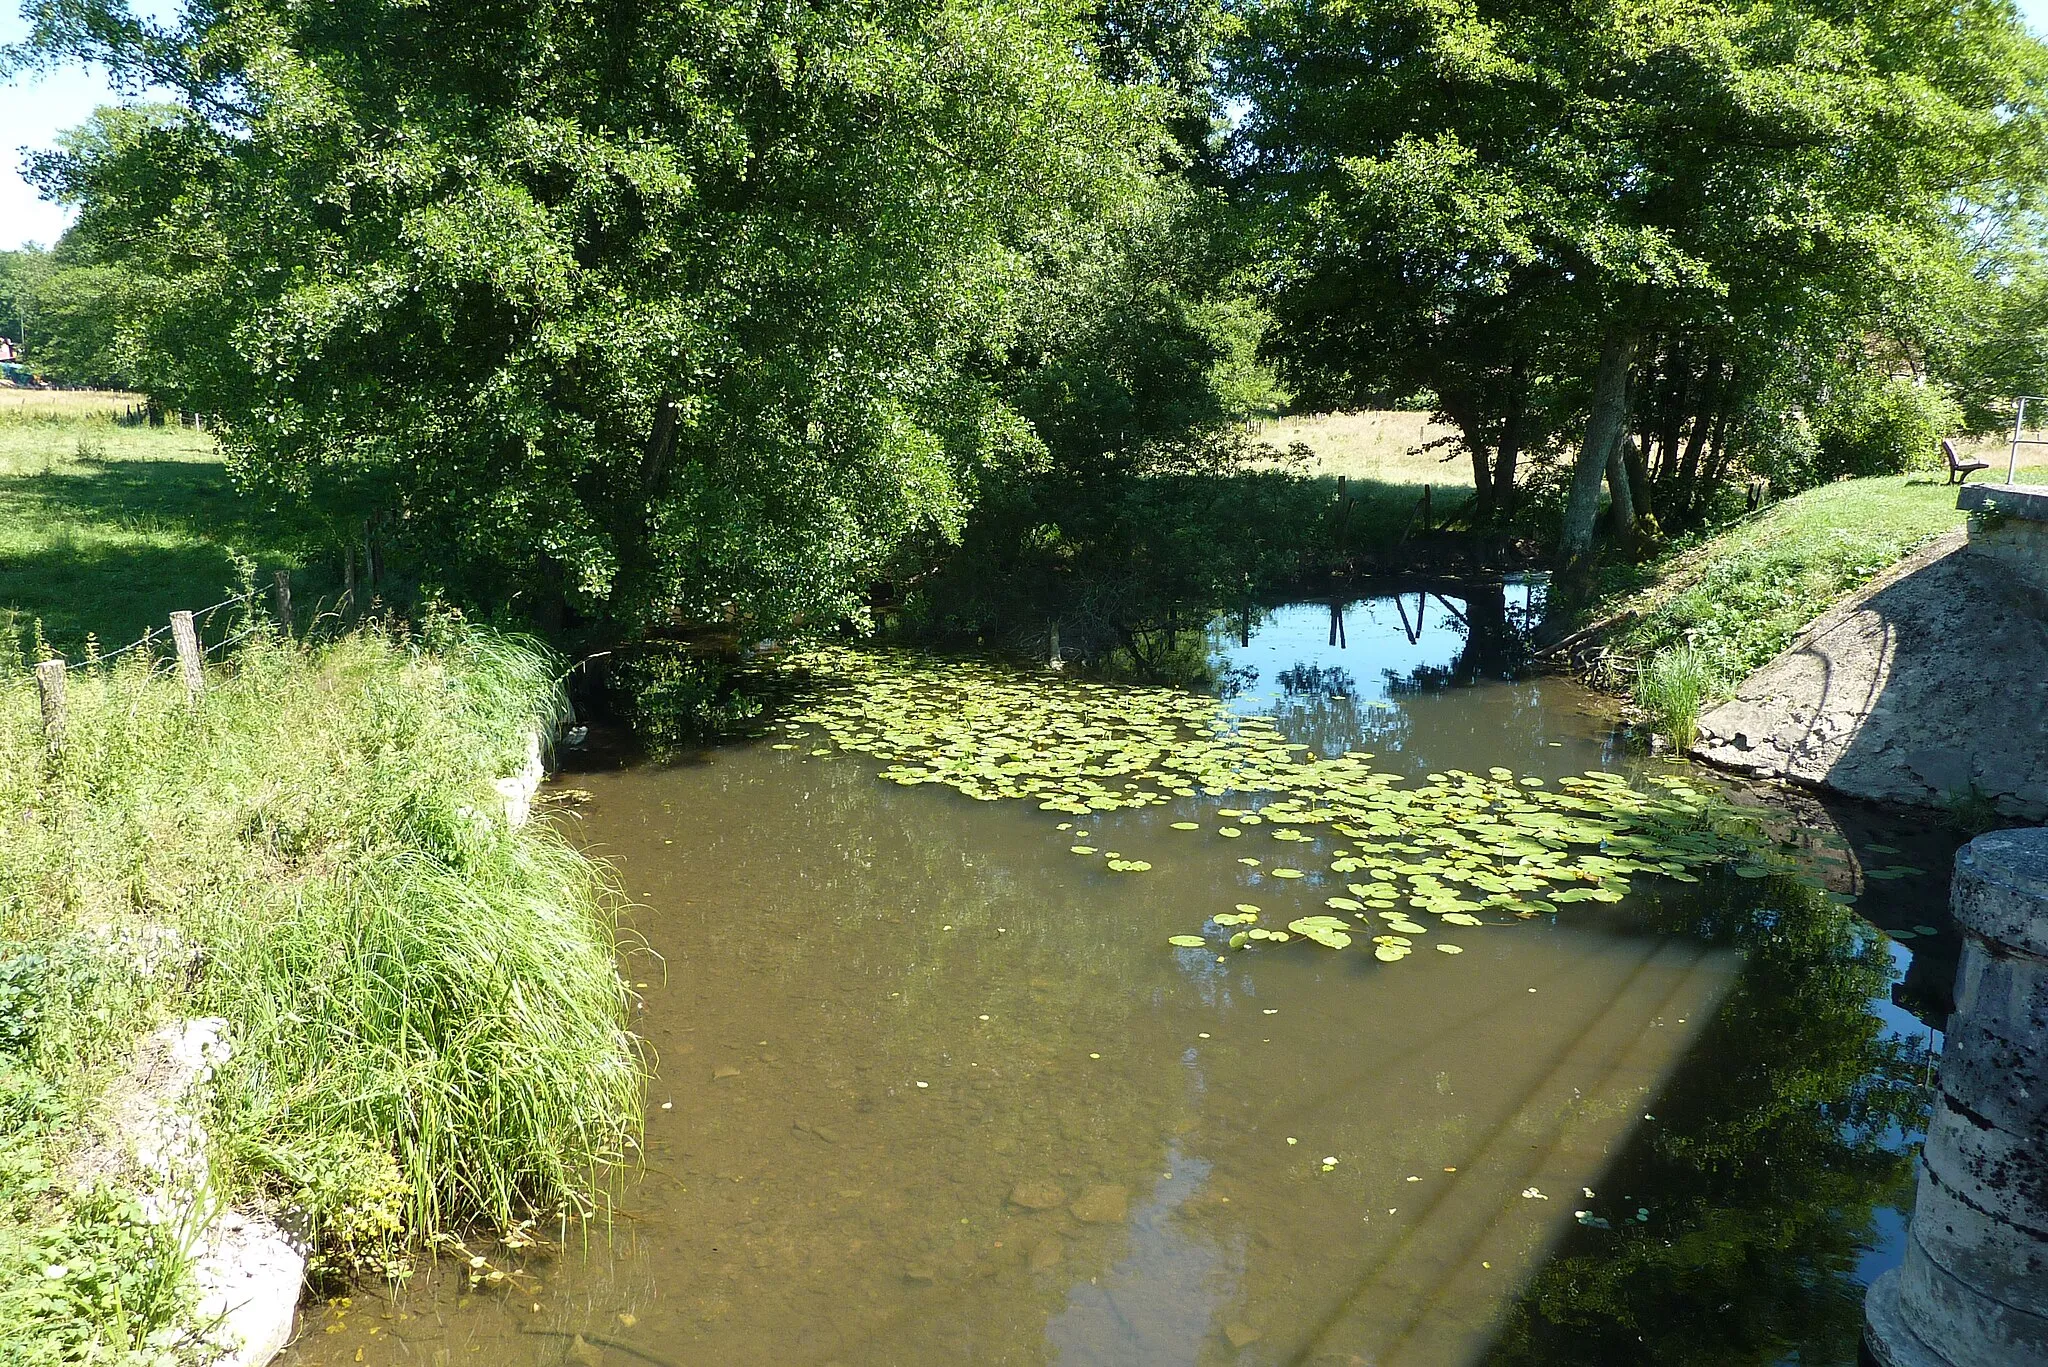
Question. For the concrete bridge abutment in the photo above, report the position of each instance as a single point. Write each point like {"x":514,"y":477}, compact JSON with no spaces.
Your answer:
{"x":1973,"y":1289}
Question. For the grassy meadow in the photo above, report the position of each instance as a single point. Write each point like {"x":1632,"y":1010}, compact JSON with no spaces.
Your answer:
{"x":105,"y":528}
{"x":1379,"y":455}
{"x":1382,"y":447}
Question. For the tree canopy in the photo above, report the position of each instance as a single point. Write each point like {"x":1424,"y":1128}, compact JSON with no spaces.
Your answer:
{"x":672,"y":313}
{"x":1660,"y":205}
{"x":694,"y":312}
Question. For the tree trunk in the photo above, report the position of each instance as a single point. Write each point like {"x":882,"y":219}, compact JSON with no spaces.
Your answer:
{"x":1621,"y":503}
{"x":1603,"y":435}
{"x":1634,"y":459}
{"x":633,"y":515}
{"x":1482,"y":479}
{"x":1465,"y":417}
{"x":1510,"y":442}
{"x":1671,"y":422}
{"x":1717,"y":455}
{"x":1696,"y":441}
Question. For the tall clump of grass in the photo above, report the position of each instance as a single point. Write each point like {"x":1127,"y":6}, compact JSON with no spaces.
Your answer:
{"x":1670,"y":687}
{"x":429,"y":1025}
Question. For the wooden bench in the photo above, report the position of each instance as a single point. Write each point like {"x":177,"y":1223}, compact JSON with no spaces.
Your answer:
{"x":1960,"y":470}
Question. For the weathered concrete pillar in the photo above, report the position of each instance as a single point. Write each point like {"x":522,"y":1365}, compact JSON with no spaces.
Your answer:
{"x":1973,"y":1291}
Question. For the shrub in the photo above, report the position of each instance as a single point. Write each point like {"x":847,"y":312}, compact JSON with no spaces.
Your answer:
{"x":1774,"y":440}
{"x":676,"y":697}
{"x":1880,"y":425}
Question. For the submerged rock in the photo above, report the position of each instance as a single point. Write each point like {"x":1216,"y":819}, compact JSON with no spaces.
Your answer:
{"x":1101,"y":1205}
{"x":1037,"y":1195}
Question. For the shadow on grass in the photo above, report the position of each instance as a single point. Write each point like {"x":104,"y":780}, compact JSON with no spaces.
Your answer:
{"x":111,"y":547}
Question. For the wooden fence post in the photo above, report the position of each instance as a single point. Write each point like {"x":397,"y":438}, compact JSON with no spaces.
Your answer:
{"x":50,"y":683}
{"x":284,"y":600}
{"x":187,"y":638}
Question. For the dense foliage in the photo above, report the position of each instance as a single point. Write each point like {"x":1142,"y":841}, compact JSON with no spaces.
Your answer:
{"x":701,"y":315}
{"x":674,"y":313}
{"x":1617,"y":224}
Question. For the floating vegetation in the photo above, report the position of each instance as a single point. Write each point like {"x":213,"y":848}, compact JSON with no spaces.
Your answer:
{"x":1460,"y":847}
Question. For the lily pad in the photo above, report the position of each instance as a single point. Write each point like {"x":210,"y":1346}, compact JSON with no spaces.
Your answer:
{"x":1324,"y":930}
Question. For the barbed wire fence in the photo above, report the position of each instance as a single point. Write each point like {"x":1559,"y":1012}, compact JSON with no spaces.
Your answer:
{"x":180,"y":646}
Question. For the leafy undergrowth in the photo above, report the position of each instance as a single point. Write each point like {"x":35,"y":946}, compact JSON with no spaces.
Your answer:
{"x":428,"y":1024}
{"x":1736,"y":598}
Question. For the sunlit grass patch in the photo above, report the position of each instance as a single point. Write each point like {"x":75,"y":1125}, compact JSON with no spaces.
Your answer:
{"x":105,"y":528}
{"x":1384,"y":447}
{"x":1737,"y":597}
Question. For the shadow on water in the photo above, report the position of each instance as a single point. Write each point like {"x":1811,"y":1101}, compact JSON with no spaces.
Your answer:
{"x":932,"y":1090}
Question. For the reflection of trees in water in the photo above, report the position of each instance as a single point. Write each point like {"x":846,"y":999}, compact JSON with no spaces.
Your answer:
{"x":1331,"y":727}
{"x":1496,"y":622}
{"x":1781,"y":1135}
{"x":1325,"y":681}
{"x":1111,"y":632}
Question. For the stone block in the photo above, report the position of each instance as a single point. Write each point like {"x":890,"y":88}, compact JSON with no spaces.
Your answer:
{"x":2005,"y":1262}
{"x":1973,"y":1289}
{"x":1995,"y":1170}
{"x":1995,"y":1055}
{"x":1967,"y":1327}
{"x":2001,"y":889}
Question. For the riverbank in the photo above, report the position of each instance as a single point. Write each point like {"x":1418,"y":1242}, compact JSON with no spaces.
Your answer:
{"x":1680,"y":633}
{"x":426,"y":1020}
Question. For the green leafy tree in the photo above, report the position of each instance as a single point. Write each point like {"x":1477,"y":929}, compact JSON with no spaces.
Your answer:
{"x":20,"y":272}
{"x":669,"y":314}
{"x":1581,"y":185}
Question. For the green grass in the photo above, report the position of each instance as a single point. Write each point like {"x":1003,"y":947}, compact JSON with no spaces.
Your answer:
{"x":428,"y":1020}
{"x":106,"y":528}
{"x":1737,"y":597}
{"x":1670,"y":686}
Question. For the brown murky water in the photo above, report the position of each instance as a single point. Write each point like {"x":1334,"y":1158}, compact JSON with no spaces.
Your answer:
{"x":932,"y":1090}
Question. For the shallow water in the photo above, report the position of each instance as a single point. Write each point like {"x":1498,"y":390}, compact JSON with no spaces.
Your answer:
{"x":931,"y":1089}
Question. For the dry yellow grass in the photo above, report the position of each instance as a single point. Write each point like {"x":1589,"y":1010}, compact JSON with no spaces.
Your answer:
{"x":1382,"y":446}
{"x":1996,"y":449}
{"x":1386,"y":446}
{"x":64,"y":403}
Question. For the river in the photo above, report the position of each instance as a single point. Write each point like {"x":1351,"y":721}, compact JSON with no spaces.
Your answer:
{"x":930,"y":1089}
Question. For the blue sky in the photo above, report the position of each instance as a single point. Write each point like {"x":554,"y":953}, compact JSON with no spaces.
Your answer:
{"x":33,"y":110}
